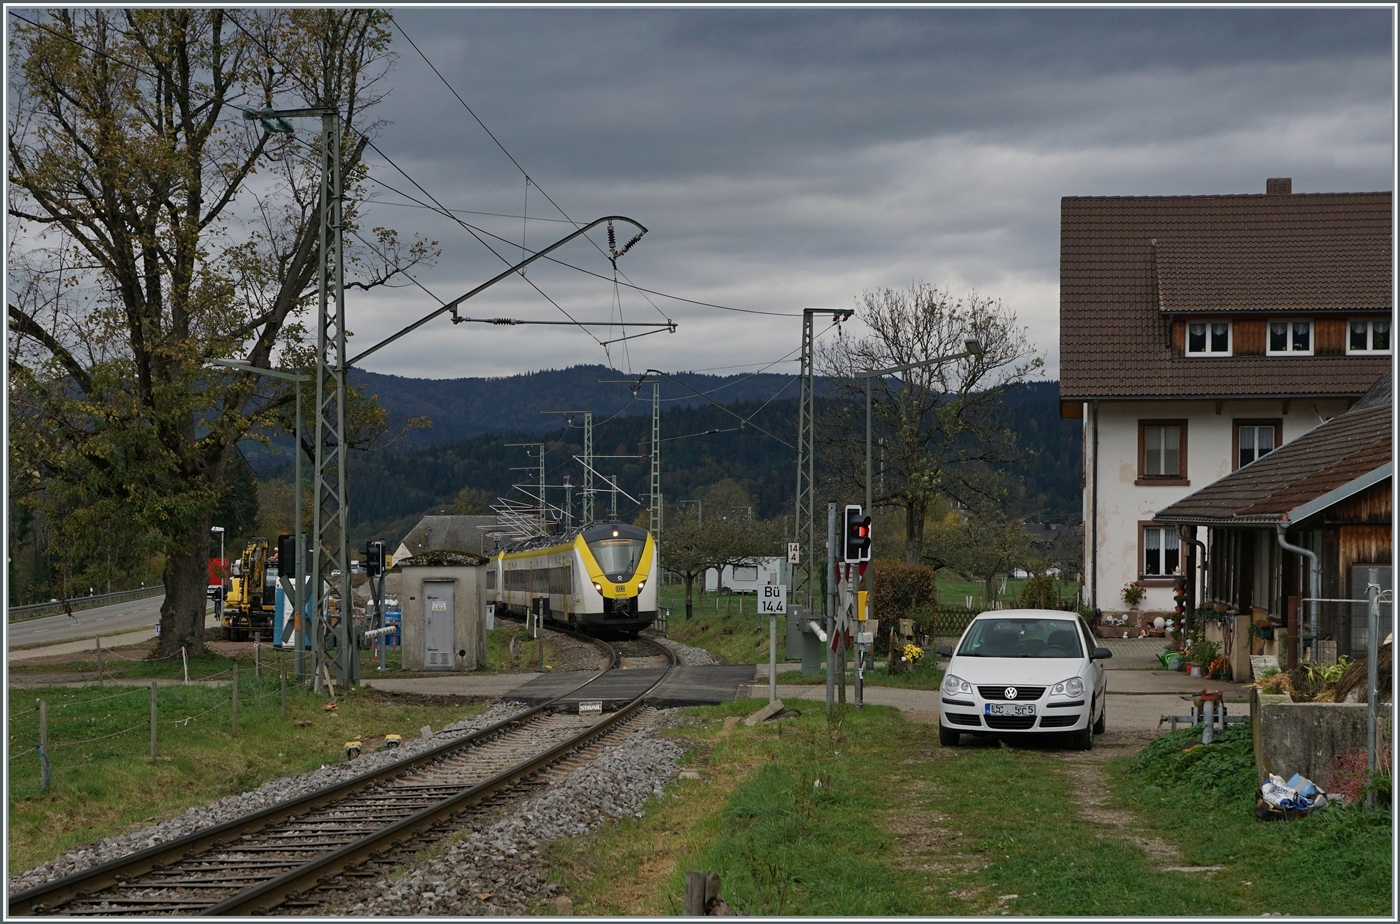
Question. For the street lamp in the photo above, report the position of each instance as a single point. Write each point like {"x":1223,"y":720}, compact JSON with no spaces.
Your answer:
{"x":971,"y":347}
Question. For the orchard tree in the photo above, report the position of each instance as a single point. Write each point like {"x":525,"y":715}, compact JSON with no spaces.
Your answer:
{"x":154,"y":229}
{"x":939,"y":427}
{"x":691,"y":547}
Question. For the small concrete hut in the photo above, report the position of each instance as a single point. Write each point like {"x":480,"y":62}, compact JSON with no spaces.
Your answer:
{"x":443,"y":597}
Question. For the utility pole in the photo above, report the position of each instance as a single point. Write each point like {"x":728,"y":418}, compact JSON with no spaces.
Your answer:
{"x":528,"y":447}
{"x":804,"y":530}
{"x":655,"y":453}
{"x":587,"y":461}
{"x":612,"y":513}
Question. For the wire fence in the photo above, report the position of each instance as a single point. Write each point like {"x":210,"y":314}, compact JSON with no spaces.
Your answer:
{"x":66,"y":735}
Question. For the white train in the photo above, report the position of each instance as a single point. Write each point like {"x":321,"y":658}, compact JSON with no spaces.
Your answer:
{"x":603,"y":577}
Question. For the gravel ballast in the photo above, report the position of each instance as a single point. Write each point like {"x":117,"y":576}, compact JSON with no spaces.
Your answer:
{"x":501,"y":869}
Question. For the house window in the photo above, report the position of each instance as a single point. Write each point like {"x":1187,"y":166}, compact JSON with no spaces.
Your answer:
{"x":1290,"y":337}
{"x":1208,"y":338}
{"x":1255,"y":439}
{"x":1161,"y":551}
{"x":1368,"y":337}
{"x":1161,"y":451}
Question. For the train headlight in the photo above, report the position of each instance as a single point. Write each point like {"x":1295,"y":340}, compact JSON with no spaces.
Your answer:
{"x":598,"y":587}
{"x":641,"y":586}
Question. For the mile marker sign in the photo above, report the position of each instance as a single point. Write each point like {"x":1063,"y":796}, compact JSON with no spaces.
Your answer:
{"x":772,"y":599}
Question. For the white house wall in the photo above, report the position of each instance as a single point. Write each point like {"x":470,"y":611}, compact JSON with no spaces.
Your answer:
{"x":1122,"y":504}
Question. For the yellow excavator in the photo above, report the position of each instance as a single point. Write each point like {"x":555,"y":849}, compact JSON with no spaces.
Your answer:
{"x":252,"y":593}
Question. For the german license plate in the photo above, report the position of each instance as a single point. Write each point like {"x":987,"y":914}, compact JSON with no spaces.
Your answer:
{"x":1010,"y":709}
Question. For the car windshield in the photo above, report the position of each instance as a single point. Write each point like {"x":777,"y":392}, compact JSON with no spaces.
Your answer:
{"x":617,"y":557}
{"x":1025,"y":637}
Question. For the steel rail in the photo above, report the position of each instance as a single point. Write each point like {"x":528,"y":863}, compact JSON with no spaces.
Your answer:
{"x":85,"y":882}
{"x":262,"y":899}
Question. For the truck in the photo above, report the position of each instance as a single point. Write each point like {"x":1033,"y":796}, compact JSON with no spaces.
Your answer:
{"x":252,"y":594}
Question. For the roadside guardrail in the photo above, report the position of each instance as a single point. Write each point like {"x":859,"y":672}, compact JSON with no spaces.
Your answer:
{"x":36,"y":610}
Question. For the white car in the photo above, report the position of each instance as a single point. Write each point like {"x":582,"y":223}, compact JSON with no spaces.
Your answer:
{"x":1024,"y":671}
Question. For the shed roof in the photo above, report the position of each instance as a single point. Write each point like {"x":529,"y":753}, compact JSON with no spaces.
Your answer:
{"x":1128,"y":262}
{"x":454,"y":532}
{"x":1344,"y":451}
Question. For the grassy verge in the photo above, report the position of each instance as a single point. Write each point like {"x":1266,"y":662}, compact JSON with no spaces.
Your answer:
{"x":1338,"y":861}
{"x":498,"y":653}
{"x":899,"y":825}
{"x":103,"y":786}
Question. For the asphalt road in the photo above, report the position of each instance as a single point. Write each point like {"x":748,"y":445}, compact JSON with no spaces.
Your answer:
{"x":84,"y":624}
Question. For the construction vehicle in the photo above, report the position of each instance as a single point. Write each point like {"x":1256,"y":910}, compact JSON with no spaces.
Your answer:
{"x":252,"y":593}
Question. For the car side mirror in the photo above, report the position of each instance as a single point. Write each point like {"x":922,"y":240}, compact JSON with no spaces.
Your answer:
{"x":945,"y":650}
{"x":1101,"y":654}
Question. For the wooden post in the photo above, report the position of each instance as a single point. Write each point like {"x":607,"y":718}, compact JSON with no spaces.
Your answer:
{"x":44,"y":770}
{"x":234,"y":700}
{"x":1291,"y":654}
{"x":701,"y":888}
{"x":153,"y":720}
{"x":100,"y":681}
{"x":185,"y":660}
{"x":284,"y":690}
{"x":257,"y":658}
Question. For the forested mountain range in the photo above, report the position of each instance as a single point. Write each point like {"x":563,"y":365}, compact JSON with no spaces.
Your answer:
{"x":701,"y":445}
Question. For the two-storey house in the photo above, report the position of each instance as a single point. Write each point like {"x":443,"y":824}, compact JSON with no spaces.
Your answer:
{"x":1197,"y":334}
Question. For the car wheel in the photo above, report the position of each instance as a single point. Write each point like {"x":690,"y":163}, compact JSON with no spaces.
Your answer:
{"x":947,"y":736}
{"x":1102,"y":723}
{"x":1084,"y":740}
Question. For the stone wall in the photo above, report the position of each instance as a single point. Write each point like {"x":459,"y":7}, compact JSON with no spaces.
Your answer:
{"x":1303,"y":738}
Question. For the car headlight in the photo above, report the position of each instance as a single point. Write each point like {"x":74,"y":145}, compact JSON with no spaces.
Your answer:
{"x":1071,"y":687}
{"x":953,"y":685}
{"x":598,"y":587}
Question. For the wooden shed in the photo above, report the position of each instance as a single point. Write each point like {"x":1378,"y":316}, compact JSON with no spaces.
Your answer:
{"x":443,"y":596}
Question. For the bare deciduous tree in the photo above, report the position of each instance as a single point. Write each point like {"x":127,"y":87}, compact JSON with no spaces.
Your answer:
{"x":939,"y":425}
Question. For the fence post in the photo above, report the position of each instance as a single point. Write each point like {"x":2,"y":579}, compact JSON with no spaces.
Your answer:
{"x":701,"y":888}
{"x":284,"y":689}
{"x":234,"y":700}
{"x":257,"y":659}
{"x":100,"y":681}
{"x":153,"y":720}
{"x":185,"y":659}
{"x":45,"y":772}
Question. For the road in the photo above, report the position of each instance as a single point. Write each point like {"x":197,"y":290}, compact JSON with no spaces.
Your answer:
{"x":85,"y":624}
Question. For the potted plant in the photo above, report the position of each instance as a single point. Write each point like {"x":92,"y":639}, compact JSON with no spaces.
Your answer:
{"x":1133,"y":593}
{"x":1202,"y":654}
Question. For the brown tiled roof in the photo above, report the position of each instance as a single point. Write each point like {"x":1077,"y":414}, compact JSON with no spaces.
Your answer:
{"x":1282,"y":270}
{"x":1325,"y":458}
{"x":1245,"y":254}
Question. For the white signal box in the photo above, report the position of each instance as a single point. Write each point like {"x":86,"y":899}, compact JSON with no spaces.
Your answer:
{"x":772,"y":599}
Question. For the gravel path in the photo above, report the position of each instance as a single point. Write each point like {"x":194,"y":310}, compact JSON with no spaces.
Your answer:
{"x":687,"y":654}
{"x":269,"y":793}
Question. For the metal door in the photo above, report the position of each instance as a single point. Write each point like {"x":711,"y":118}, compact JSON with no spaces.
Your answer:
{"x":438,"y":625}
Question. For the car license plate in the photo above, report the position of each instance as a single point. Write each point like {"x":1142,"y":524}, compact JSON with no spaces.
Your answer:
{"x":1010,"y":709}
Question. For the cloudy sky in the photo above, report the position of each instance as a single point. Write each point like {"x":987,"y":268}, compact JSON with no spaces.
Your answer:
{"x":785,"y":159}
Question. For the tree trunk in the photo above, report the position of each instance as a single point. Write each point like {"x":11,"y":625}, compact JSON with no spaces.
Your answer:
{"x":914,"y":531}
{"x":186,"y":595}
{"x":689,"y":593}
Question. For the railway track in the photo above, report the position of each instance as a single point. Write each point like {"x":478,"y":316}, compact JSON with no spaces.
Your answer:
{"x":290,"y":851}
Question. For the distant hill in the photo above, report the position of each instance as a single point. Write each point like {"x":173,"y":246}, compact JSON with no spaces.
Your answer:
{"x":392,"y":489}
{"x":468,"y":407}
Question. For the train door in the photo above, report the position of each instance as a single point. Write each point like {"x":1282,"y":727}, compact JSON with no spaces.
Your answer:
{"x":439,"y":625}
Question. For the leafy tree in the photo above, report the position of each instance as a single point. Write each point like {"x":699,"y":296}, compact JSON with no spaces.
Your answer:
{"x":690,"y":547}
{"x":140,"y":251}
{"x":941,"y":430}
{"x":981,"y":546}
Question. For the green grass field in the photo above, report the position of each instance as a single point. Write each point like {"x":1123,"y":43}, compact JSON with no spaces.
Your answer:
{"x":864,"y":814}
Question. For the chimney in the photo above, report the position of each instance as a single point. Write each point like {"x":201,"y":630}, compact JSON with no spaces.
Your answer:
{"x":1279,"y":186}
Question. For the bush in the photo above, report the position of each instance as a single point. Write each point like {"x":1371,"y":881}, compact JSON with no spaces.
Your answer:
{"x":899,"y":587}
{"x":1040,"y":592}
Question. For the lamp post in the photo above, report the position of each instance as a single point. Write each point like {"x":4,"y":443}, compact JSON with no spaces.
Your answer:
{"x":971,"y":347}
{"x":298,"y":588}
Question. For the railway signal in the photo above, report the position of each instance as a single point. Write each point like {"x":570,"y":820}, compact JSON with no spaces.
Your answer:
{"x":857,"y":535}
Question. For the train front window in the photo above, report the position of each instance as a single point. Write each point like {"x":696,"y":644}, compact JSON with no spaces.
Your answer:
{"x":617,"y":557}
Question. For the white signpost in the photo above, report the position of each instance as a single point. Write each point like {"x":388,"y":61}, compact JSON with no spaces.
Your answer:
{"x":772,"y":599}
{"x":794,"y":553}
